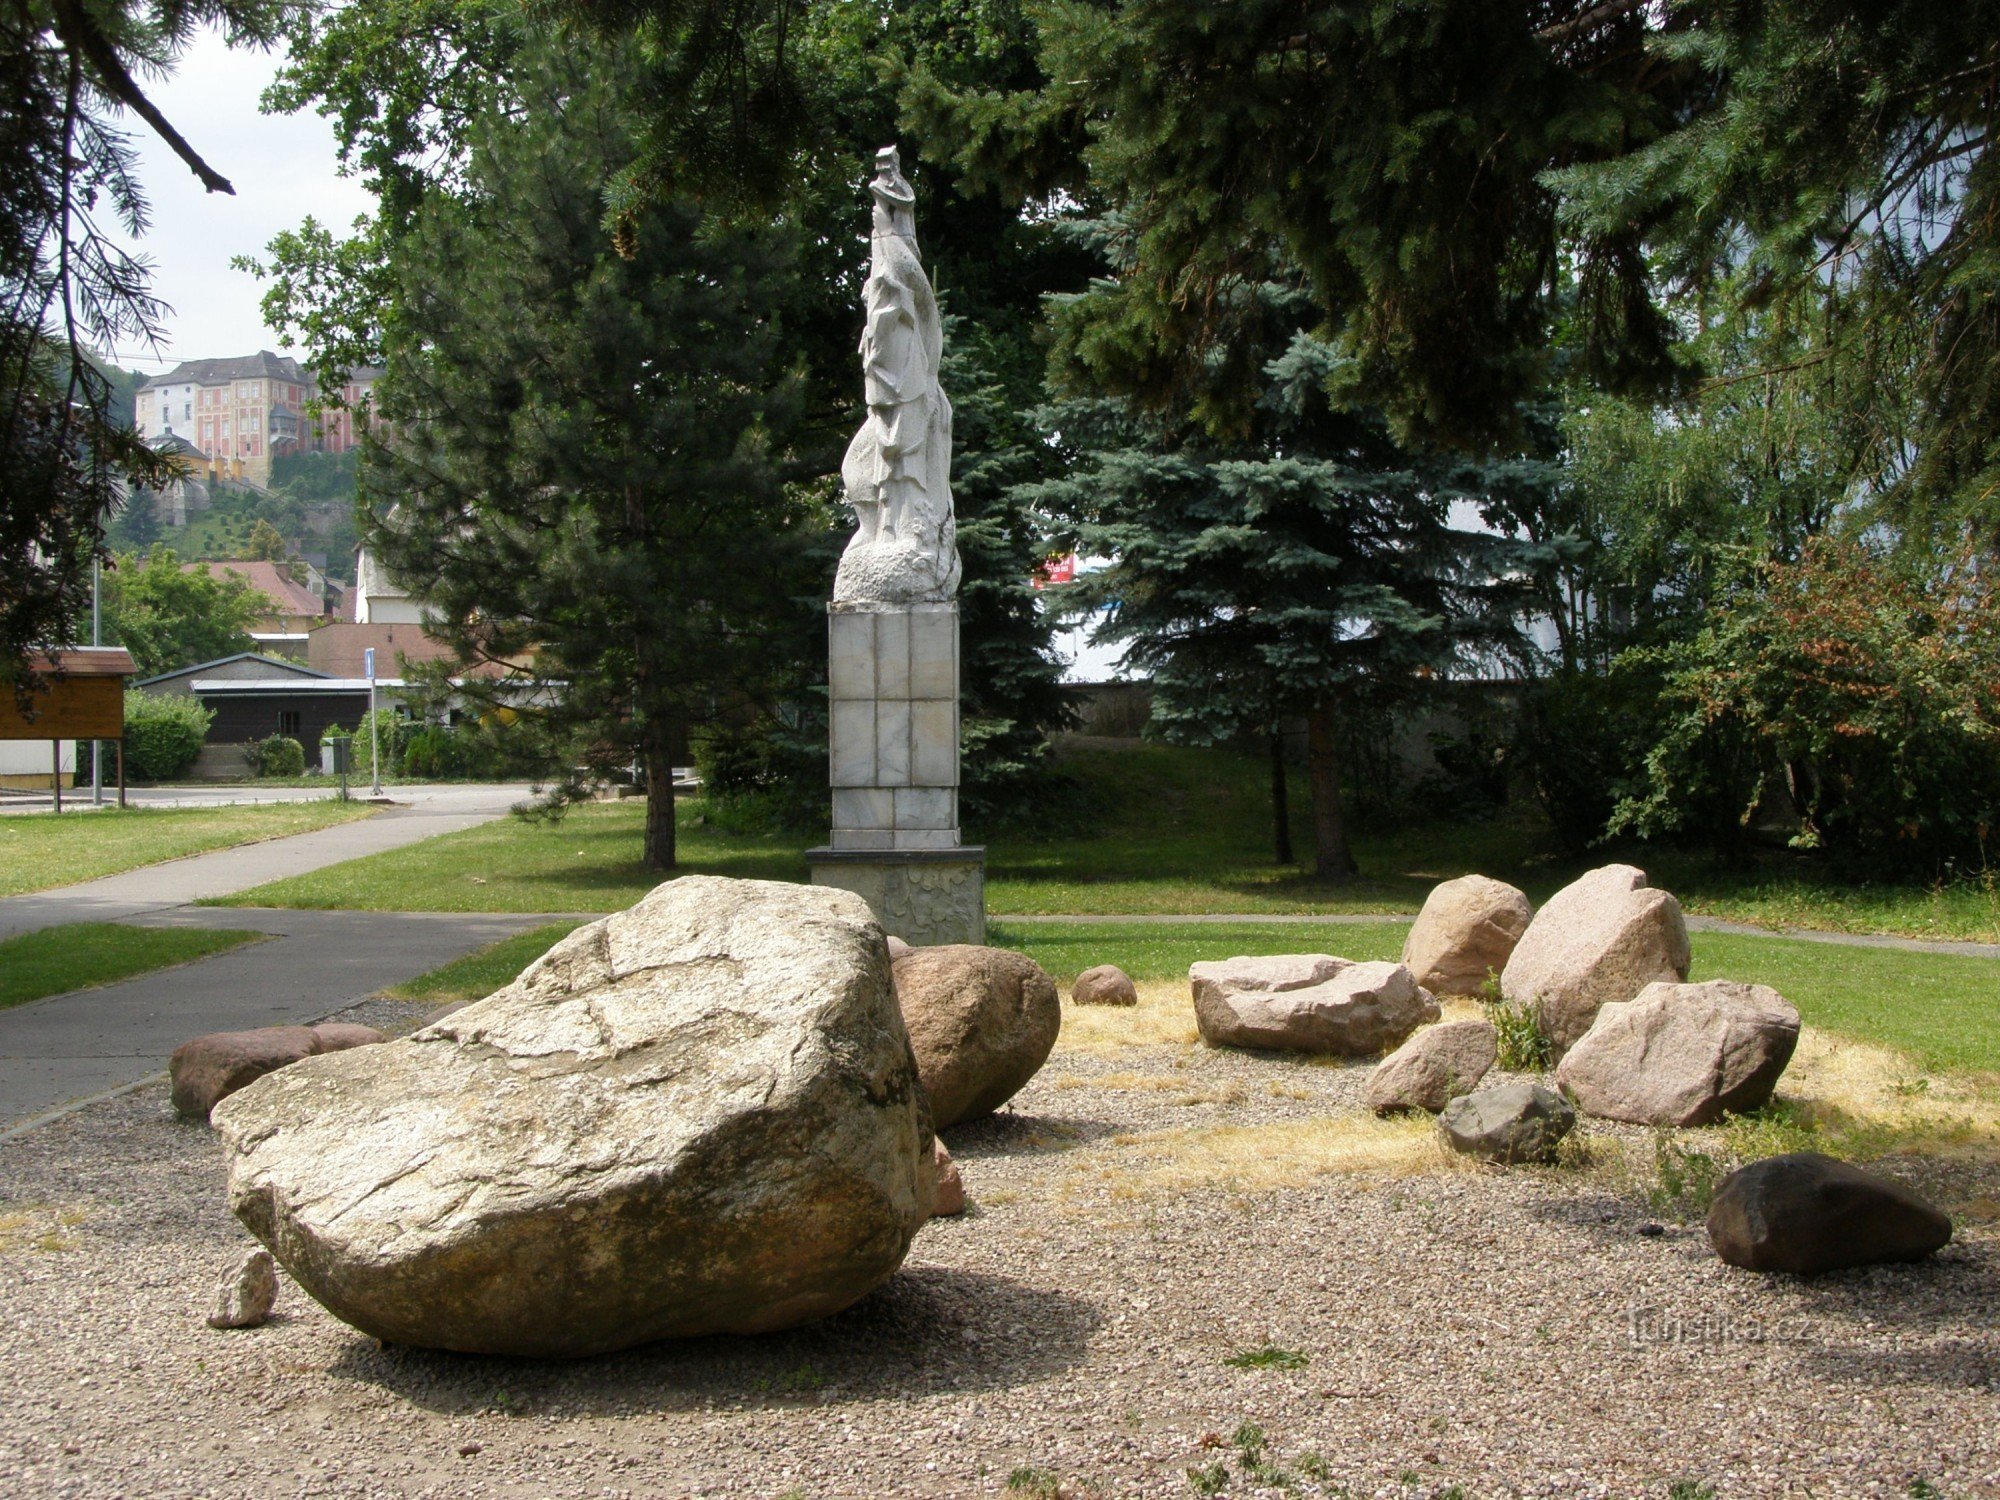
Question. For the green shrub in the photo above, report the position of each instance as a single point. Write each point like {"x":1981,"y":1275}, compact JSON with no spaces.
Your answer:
{"x":276,"y":755}
{"x":163,"y":733}
{"x":1851,"y":698}
{"x":438,"y":753}
{"x":1524,"y":1046}
{"x":390,"y":732}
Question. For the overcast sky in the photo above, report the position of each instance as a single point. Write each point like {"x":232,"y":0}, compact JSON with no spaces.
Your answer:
{"x":283,"y":169}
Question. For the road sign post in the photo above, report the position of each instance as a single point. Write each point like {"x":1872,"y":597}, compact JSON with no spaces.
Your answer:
{"x":374,"y":731}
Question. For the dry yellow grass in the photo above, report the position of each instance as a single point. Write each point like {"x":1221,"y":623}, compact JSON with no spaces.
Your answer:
{"x":1164,"y":1017}
{"x":39,"y":1226}
{"x":1260,"y":1158}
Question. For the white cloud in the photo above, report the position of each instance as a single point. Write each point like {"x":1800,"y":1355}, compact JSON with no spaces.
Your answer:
{"x":283,"y":168}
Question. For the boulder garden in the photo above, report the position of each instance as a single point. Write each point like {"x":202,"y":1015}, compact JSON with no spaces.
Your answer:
{"x":1307,"y":1002}
{"x":1682,"y":1054}
{"x":700,"y":1115}
{"x":1434,"y":1067}
{"x":1807,"y":1213}
{"x":1600,"y":939}
{"x":1467,"y":929}
{"x":982,"y":1022}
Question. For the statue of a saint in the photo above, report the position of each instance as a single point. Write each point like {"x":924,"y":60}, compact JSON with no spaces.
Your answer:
{"x":898,"y":468}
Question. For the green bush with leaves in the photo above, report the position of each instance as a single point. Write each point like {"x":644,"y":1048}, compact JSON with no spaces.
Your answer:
{"x":437,"y":752}
{"x":1855,"y":698}
{"x":276,"y":755}
{"x":163,"y":733}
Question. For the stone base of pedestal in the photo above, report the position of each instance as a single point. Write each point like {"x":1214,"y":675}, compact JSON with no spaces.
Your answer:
{"x":923,"y":896}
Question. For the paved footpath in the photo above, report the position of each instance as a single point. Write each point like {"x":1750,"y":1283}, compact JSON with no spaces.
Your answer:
{"x":418,"y":813}
{"x":73,"y":1047}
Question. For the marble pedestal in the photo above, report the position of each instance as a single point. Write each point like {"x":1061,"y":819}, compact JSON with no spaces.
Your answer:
{"x":892,"y":684}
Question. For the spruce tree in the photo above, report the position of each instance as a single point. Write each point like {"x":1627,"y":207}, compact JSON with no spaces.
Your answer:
{"x":1305,"y":566}
{"x":577,"y":462}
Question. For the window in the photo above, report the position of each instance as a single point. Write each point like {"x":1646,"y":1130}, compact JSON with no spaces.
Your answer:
{"x":288,"y":723}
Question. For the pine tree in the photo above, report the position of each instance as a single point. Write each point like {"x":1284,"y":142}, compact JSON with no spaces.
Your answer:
{"x":581,"y":467}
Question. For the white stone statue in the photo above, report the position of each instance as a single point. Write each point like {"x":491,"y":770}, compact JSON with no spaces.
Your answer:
{"x":898,"y":468}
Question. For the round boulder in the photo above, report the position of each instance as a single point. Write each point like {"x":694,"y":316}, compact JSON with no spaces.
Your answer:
{"x":982,"y":1022}
{"x":1682,"y":1054}
{"x":1434,"y":1067}
{"x":1514,"y":1122}
{"x":1807,"y":1213}
{"x":1467,"y":929}
{"x":1107,"y":984}
{"x":210,"y":1068}
{"x":697,"y":1116}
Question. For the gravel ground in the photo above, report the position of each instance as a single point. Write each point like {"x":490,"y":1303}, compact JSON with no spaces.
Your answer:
{"x":1141,"y":1216}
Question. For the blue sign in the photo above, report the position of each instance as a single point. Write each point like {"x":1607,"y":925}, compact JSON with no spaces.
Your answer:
{"x":368,"y":663}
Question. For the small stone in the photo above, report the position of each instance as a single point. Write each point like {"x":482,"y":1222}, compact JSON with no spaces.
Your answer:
{"x":1807,"y":1213}
{"x":1514,"y":1122}
{"x":950,"y":1195}
{"x":1434,"y":1067}
{"x":898,"y":948}
{"x":467,"y":1450}
{"x":244,"y":1296}
{"x":1652,"y":1231}
{"x":1107,"y":984}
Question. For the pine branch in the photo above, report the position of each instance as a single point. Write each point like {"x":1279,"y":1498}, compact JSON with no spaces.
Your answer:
{"x":86,"y":40}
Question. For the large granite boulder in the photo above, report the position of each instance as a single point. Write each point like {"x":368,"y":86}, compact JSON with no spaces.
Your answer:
{"x":1807,"y":1213}
{"x":210,"y":1068}
{"x":1467,"y":929}
{"x":982,"y":1022}
{"x":1512,"y":1122}
{"x":1434,"y":1067}
{"x":1600,"y":939}
{"x":1682,"y":1054}
{"x":1307,"y":1002}
{"x":700,"y":1115}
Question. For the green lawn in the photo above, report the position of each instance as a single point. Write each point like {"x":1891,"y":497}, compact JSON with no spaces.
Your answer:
{"x":39,"y":850}
{"x":1149,"y":830}
{"x":480,"y":973}
{"x":84,"y":955}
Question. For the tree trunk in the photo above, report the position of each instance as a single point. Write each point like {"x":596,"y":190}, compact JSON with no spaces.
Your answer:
{"x":1281,"y":802}
{"x":657,"y":754}
{"x":1333,"y":861}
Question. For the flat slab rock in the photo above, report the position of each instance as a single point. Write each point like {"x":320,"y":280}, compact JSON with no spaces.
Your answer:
{"x":1682,"y":1054}
{"x":1807,"y":1213}
{"x":1307,"y":1002}
{"x":1510,"y":1123}
{"x":1467,"y":930}
{"x":1434,"y":1067}
{"x":1599,"y":940}
{"x":700,"y":1115}
{"x":210,"y":1068}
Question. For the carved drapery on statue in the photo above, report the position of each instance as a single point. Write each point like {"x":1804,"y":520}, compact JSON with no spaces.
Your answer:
{"x":897,"y":470}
